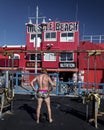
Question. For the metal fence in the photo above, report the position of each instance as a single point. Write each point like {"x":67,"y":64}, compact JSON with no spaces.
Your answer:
{"x":21,"y":82}
{"x":94,"y":38}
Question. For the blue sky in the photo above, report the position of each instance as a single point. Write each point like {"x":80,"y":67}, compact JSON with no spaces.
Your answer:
{"x":14,"y":14}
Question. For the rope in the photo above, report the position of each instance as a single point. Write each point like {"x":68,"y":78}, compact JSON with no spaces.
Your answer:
{"x":8,"y":95}
{"x":98,"y":99}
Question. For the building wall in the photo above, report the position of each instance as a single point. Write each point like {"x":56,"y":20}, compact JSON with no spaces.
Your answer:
{"x":12,"y":56}
{"x":91,"y":63}
{"x":56,"y":45}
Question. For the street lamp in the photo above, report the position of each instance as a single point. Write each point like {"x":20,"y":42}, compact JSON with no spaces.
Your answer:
{"x":36,"y":33}
{"x":36,"y":40}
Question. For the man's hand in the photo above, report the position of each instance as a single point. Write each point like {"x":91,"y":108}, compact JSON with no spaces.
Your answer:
{"x":33,"y":89}
{"x":50,"y":90}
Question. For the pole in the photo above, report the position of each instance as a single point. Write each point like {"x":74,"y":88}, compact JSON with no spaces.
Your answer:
{"x":36,"y":39}
{"x":88,"y":75}
{"x":95,"y":73}
{"x":12,"y":85}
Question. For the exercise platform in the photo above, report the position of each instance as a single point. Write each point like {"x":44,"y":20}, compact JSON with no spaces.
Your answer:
{"x":69,"y":113}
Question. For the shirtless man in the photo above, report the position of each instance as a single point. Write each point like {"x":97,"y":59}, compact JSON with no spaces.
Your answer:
{"x":43,"y":81}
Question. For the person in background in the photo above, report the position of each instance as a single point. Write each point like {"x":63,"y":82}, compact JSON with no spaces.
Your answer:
{"x":70,"y":86}
{"x":43,"y":92}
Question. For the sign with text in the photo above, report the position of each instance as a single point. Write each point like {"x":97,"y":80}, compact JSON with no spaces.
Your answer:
{"x":32,"y":64}
{"x":69,"y":65}
{"x":56,"y":26}
{"x":68,"y":26}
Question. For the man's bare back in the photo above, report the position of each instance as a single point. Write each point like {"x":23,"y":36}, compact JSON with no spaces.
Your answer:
{"x":43,"y":82}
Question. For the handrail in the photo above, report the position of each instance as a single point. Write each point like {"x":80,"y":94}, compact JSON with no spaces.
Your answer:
{"x":94,"y":38}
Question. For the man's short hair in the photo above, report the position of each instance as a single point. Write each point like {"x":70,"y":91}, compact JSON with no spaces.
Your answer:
{"x":44,"y":71}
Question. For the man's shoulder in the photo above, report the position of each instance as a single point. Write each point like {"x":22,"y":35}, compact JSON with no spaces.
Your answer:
{"x":43,"y":75}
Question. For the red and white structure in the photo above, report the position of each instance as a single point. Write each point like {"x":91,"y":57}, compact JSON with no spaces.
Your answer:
{"x":53,"y":38}
{"x":55,"y":45}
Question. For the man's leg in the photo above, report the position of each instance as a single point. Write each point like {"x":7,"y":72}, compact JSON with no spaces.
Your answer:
{"x":47,"y":101}
{"x":40,"y":100}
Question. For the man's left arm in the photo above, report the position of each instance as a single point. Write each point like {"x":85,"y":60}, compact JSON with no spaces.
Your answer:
{"x":52,"y":84}
{"x":32,"y":84}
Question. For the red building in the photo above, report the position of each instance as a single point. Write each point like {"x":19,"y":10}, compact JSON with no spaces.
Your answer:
{"x":92,"y":62}
{"x":55,"y":45}
{"x":12,"y":57}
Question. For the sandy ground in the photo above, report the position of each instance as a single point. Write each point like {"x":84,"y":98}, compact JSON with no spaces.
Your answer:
{"x":68,"y":114}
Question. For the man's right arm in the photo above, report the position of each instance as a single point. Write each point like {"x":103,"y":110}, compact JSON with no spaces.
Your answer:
{"x":51,"y":83}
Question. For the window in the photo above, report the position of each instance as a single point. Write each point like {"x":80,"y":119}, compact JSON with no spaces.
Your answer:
{"x":32,"y":57}
{"x":33,"y":36}
{"x":50,"y":36}
{"x":67,"y":37}
{"x":31,"y":29}
{"x":65,"y":57}
{"x":49,"y":57}
{"x":39,"y":39}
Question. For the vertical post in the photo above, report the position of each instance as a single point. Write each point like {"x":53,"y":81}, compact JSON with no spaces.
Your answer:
{"x":95,"y":73}
{"x":87,"y":111}
{"x":12,"y":87}
{"x":100,"y":39}
{"x":91,"y":38}
{"x":36,"y":39}
{"x":96,"y":113}
{"x":88,"y":67}
{"x":7,"y":79}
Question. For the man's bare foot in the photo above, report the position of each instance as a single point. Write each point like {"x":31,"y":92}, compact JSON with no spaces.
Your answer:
{"x":50,"y":121}
{"x":37,"y":121}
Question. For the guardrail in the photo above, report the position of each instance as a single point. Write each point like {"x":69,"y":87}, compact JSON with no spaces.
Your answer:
{"x":94,"y":38}
{"x":22,"y":86}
